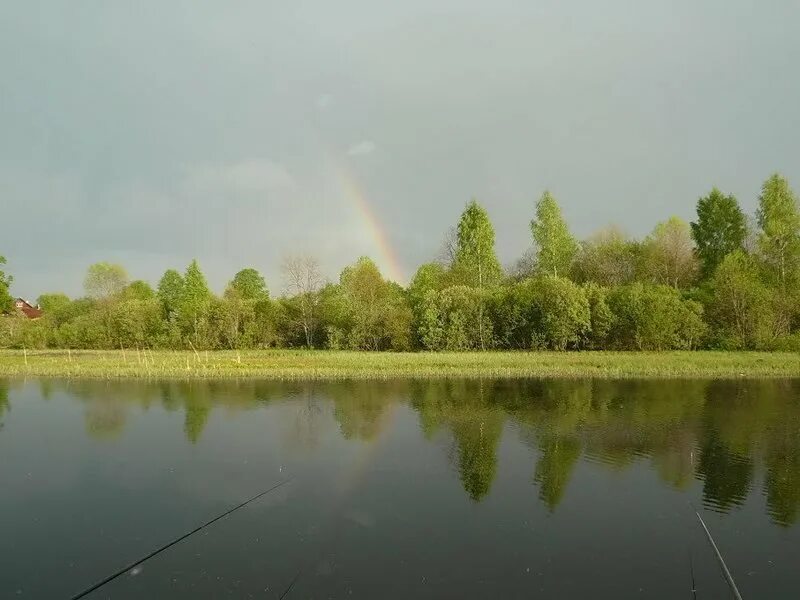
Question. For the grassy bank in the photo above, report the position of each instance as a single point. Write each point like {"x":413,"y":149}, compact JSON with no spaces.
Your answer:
{"x":285,"y":364}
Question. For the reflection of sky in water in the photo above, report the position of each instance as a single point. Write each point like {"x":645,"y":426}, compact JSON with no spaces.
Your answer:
{"x":444,"y":487}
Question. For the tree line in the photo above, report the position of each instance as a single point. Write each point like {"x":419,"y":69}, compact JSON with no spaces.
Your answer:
{"x":723,"y":281}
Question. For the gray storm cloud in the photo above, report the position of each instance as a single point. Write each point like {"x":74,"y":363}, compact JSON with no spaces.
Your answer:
{"x":150,"y":133}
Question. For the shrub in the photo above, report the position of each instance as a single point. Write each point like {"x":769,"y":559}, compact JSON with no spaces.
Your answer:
{"x":654,"y":317}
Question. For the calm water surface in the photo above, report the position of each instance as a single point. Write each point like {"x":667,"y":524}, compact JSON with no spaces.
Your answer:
{"x":443,"y":489}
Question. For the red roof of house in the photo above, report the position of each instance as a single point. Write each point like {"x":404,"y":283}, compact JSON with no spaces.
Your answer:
{"x":30,"y":311}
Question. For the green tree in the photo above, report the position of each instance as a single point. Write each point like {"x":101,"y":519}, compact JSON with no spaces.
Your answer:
{"x":104,"y":280}
{"x":721,"y":228}
{"x":135,"y":323}
{"x":239,"y":322}
{"x":58,"y":310}
{"x":250,"y":285}
{"x":170,"y":292}
{"x":779,"y":220}
{"x":607,"y":258}
{"x":138,"y":290}
{"x":668,"y":254}
{"x":53,"y":303}
{"x":476,"y":263}
{"x":6,"y":301}
{"x":555,"y":245}
{"x":194,"y":303}
{"x":430,"y":277}
{"x":741,"y":305}
{"x":378,"y":316}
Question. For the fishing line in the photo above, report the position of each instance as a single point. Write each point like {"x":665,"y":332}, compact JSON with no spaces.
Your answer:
{"x":725,"y":570}
{"x":135,"y":564}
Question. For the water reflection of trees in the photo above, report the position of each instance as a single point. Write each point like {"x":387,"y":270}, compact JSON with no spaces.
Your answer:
{"x":361,"y":410}
{"x":4,"y":404}
{"x":730,"y":435}
{"x":717,"y":432}
{"x":782,"y":461}
{"x":308,"y":420}
{"x":468,"y":411}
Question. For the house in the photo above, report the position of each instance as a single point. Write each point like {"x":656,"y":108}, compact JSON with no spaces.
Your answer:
{"x":30,"y":311}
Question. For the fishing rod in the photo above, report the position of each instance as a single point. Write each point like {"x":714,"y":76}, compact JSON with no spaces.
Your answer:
{"x":725,"y":570}
{"x":177,"y":540}
{"x":691,"y":572}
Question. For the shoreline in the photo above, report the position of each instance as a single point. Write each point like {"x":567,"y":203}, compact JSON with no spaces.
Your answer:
{"x":332,"y":365}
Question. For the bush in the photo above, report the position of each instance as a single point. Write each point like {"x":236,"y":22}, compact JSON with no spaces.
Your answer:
{"x":654,"y":317}
{"x":786,"y":343}
{"x":545,"y":312}
{"x":742,"y":307}
{"x":456,"y":318}
{"x":600,"y":315}
{"x":562,"y":311}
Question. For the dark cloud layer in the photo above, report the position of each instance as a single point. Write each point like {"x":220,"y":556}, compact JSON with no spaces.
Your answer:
{"x":151,"y":133}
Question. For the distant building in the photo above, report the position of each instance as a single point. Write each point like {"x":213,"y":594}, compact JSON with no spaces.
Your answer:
{"x":30,"y":311}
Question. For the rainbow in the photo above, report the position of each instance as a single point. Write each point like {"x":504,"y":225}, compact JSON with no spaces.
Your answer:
{"x":357,"y":198}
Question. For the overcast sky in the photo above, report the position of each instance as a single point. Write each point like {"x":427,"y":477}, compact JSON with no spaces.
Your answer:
{"x":149,"y":133}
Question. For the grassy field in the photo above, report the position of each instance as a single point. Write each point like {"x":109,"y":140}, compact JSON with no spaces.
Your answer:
{"x":300,"y":364}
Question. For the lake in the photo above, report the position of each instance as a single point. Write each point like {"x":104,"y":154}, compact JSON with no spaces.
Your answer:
{"x":400,"y":489}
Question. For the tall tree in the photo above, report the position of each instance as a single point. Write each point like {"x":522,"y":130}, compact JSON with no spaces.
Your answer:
{"x":170,"y":290}
{"x":104,"y":280}
{"x":6,"y":301}
{"x":668,"y":254}
{"x":476,"y":263}
{"x":721,"y":228}
{"x":195,"y":300}
{"x":779,"y":220}
{"x":250,"y":285}
{"x":555,"y":245}
{"x":303,"y":279}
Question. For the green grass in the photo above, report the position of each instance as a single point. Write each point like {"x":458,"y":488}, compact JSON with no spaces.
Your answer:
{"x":301,"y":364}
